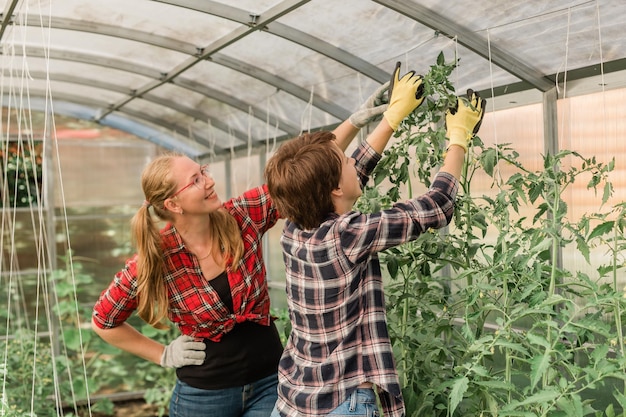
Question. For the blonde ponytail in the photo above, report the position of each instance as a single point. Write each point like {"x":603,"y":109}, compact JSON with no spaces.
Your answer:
{"x":151,"y":289}
{"x":152,"y":299}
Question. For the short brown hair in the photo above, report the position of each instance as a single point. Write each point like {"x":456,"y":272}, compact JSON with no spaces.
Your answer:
{"x":301,"y":176}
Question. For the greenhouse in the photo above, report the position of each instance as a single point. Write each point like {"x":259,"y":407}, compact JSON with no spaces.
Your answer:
{"x":514,"y":307}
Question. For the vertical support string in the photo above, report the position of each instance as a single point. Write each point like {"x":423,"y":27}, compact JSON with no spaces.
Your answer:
{"x":41,"y":209}
{"x":562,"y":136}
{"x":602,"y":81}
{"x":211,"y":139}
{"x":497,"y":173}
{"x":269,"y":149}
{"x":232,"y":180}
{"x":307,"y":114}
{"x":51,"y":138}
{"x":249,"y":155}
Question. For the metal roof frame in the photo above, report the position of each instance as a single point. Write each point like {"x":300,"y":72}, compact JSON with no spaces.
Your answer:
{"x":271,"y":19}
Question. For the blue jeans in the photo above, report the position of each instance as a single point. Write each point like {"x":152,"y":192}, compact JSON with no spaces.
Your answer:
{"x":252,"y":400}
{"x":361,"y":402}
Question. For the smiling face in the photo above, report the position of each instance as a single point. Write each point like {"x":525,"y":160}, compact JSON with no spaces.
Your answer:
{"x":195,"y":191}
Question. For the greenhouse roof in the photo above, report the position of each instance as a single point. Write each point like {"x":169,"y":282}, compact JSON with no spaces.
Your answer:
{"x":217,"y":78}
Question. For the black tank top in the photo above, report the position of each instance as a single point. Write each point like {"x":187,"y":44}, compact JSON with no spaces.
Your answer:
{"x":247,"y":353}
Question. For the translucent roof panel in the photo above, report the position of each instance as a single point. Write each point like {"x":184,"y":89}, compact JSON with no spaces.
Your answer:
{"x":212,"y":78}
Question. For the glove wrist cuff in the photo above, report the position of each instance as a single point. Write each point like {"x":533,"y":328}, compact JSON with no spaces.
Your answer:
{"x":355,"y":124}
{"x":462,"y":145}
{"x":459,"y":136}
{"x":393,"y":122}
{"x":162,"y":361}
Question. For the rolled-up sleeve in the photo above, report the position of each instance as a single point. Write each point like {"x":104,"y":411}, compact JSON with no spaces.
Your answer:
{"x":119,"y":300}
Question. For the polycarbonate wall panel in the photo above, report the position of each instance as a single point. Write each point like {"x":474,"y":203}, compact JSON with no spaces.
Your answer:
{"x":294,"y":63}
{"x":398,"y":38}
{"x":594,"y":126}
{"x":100,"y":171}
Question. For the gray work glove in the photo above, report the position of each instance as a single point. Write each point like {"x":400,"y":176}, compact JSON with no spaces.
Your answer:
{"x":372,"y":108}
{"x":183,"y":351}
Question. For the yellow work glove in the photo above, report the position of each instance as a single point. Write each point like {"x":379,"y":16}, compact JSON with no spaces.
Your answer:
{"x":463,"y":120}
{"x":406,"y":96}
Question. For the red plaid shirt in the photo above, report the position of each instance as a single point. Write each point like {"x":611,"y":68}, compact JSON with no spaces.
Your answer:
{"x":194,"y":306}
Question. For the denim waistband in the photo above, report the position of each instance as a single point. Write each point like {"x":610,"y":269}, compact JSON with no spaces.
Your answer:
{"x":363,"y":396}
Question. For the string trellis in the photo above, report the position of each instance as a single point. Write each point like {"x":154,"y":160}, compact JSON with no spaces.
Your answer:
{"x":34,"y":335}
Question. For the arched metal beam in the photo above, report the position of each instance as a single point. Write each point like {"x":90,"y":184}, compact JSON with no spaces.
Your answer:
{"x":286,"y":32}
{"x":468,"y":39}
{"x":97,"y":105}
{"x":174,"y":105}
{"x":226,"y":40}
{"x":192,"y":50}
{"x":114,"y":31}
{"x":39,"y":102}
{"x":7,"y":16}
{"x":126,"y":66}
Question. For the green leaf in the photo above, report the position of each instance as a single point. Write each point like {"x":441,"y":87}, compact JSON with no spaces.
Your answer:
{"x":458,"y":389}
{"x":572,"y":406}
{"x":537,"y":340}
{"x":72,"y":338}
{"x":608,"y":192}
{"x":535,"y":191}
{"x":601,"y":229}
{"x":583,"y":248}
{"x":507,"y":413}
{"x":488,"y":160}
{"x":441,"y":59}
{"x":549,"y":394}
{"x":392,"y":266}
{"x":538,"y":367}
{"x":621,"y":399}
{"x":497,"y":385}
{"x":543,"y":245}
{"x":610,"y":411}
{"x":514,"y":347}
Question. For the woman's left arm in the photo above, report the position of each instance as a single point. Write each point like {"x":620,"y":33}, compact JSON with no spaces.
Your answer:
{"x":345,"y":133}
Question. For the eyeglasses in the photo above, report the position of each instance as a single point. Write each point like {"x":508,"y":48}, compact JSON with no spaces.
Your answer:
{"x":199,"y":181}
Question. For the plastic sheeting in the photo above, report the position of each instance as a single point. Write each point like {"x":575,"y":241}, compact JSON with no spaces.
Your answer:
{"x":212,"y":78}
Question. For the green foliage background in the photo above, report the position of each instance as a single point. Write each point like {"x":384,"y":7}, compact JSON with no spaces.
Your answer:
{"x":497,"y":327}
{"x":55,"y":375}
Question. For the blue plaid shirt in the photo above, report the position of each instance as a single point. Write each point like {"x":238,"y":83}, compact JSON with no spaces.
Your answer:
{"x":335,"y":294}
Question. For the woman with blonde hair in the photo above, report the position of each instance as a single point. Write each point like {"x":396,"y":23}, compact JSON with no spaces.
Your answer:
{"x":204,"y":272}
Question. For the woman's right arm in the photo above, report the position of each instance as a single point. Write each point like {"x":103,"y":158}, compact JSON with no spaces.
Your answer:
{"x":111,"y":310}
{"x":127,"y":338}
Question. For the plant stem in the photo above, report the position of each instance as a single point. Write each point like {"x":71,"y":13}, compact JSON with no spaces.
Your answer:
{"x":554,"y":226}
{"x":468,"y":213}
{"x":618,"y":313}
